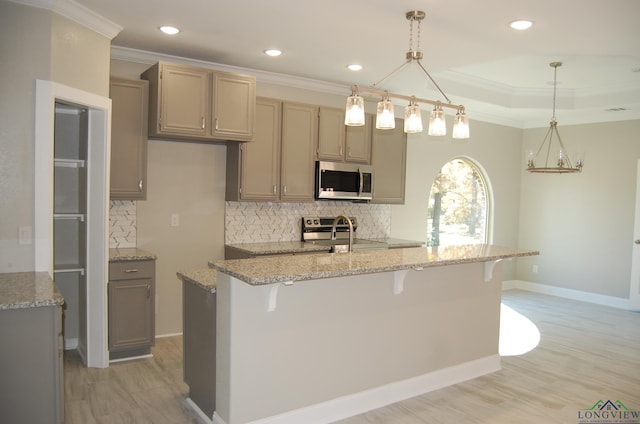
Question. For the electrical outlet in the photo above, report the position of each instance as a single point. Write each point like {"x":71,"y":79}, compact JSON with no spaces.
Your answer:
{"x":175,"y":220}
{"x":25,"y":234}
{"x":535,"y":269}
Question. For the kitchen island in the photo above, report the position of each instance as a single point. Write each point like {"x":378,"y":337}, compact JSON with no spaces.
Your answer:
{"x":317,"y":338}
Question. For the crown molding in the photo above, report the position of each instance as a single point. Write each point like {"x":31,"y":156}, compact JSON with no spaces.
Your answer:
{"x":77,"y":13}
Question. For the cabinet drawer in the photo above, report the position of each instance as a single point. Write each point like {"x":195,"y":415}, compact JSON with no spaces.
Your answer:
{"x":128,"y":270}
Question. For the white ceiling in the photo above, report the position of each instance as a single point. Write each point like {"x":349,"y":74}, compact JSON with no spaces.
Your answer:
{"x":500,"y":75}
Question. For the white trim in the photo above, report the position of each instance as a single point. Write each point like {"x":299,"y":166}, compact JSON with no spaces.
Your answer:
{"x":200,"y":413}
{"x":130,"y":358}
{"x":162,"y":336}
{"x":599,"y":299}
{"x":358,"y":403}
{"x":70,"y":344}
{"x":79,"y":14}
{"x":97,"y":231}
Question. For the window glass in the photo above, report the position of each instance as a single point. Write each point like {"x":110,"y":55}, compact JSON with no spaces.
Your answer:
{"x":457,"y":206}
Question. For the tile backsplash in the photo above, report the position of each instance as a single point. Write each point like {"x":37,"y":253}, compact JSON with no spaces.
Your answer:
{"x":122,"y":223}
{"x":254,"y":222}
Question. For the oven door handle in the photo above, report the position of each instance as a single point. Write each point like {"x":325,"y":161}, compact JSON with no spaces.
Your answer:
{"x":360,"y":182}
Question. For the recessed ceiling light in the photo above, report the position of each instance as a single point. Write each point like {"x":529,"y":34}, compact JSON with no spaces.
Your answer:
{"x":170,"y":30}
{"x":273,"y":52}
{"x":521,"y":25}
{"x":354,"y":67}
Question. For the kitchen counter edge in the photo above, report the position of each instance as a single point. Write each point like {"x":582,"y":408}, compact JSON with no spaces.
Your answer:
{"x":130,"y":254}
{"x":205,"y":279}
{"x":282,"y":269}
{"x":21,"y":290}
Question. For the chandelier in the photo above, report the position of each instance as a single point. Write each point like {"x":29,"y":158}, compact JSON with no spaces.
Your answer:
{"x":563,"y":164}
{"x":354,"y":114}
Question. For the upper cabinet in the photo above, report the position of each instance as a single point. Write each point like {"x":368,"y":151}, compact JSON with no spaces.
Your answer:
{"x":129,"y":139}
{"x":278,"y":165}
{"x":389,"y":164}
{"x":187,"y":102}
{"x":340,"y":143}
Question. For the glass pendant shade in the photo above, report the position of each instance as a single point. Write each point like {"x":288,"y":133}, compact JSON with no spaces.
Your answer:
{"x":461,"y":126}
{"x":354,"y":113}
{"x":437,"y":123}
{"x":385,"y":119}
{"x":412,"y":119}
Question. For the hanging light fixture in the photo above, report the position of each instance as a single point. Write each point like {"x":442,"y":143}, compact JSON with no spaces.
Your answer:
{"x":563,"y":164}
{"x":385,"y":118}
{"x":354,"y":114}
{"x":437,"y":124}
{"x":412,"y":118}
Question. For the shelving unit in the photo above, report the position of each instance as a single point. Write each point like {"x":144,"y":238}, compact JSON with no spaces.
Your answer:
{"x":69,"y":218}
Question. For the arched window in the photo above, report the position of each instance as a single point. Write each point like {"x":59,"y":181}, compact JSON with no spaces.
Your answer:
{"x":458,"y":205}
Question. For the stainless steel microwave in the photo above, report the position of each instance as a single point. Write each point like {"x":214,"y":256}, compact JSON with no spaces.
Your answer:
{"x":343,"y":181}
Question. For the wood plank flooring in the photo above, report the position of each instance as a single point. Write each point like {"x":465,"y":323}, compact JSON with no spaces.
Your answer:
{"x":586,"y":353}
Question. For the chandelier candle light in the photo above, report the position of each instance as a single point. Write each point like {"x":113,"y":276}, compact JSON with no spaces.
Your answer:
{"x":354,"y":115}
{"x":563,"y":163}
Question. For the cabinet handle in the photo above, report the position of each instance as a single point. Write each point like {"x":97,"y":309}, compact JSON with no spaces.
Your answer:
{"x":340,"y":150}
{"x":275,"y":189}
{"x":284,"y":189}
{"x":131,"y":270}
{"x":202,"y":122}
{"x":216,"y":123}
{"x":139,"y":185}
{"x":148,"y":291}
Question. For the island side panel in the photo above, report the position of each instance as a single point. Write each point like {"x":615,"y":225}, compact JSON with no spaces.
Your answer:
{"x":199,"y":340}
{"x":339,"y":336}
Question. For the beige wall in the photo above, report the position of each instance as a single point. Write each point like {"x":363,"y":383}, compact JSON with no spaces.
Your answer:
{"x":583,"y":223}
{"x":35,"y":44}
{"x":496,"y":149}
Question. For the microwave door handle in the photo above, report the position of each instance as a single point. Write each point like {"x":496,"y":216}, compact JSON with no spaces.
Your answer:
{"x":360,"y":184}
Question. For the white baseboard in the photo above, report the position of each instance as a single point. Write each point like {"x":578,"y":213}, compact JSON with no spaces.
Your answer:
{"x":70,"y":344}
{"x":161,"y":336}
{"x":599,"y":299}
{"x":358,"y":403}
{"x":198,"y":411}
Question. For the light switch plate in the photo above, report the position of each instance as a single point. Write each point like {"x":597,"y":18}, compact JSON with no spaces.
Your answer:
{"x":25,"y":235}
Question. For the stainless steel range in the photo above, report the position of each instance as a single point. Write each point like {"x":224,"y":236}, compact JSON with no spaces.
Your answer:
{"x":317,"y":229}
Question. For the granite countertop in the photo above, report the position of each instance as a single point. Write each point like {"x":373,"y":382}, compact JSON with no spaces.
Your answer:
{"x":28,"y":290}
{"x":284,"y":247}
{"x":203,"y":278}
{"x":130,"y":254}
{"x":278,"y":269}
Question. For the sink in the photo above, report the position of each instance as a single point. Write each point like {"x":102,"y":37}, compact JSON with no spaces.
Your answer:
{"x":342,"y":245}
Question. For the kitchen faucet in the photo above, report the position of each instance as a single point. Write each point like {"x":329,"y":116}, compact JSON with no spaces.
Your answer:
{"x":335,"y":224}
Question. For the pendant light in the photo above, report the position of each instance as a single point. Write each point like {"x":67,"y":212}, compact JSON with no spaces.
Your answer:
{"x":354,"y":114}
{"x":385,"y":118}
{"x":437,"y":122}
{"x":563,"y":164}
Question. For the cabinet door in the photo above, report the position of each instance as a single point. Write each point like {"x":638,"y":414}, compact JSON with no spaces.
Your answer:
{"x":131,"y":314}
{"x":129,"y":99}
{"x":358,"y":142}
{"x":299,"y":140}
{"x":234,"y":102}
{"x":389,"y":164}
{"x":184,"y":99}
{"x":260,"y":158}
{"x":331,"y":134}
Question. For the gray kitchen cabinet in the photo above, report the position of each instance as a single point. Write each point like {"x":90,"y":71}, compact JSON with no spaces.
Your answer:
{"x":279,"y":164}
{"x":389,"y":158}
{"x":340,"y":143}
{"x":131,"y":308}
{"x":191,"y":103}
{"x":253,"y":169}
{"x":299,"y":141}
{"x":129,"y":131}
{"x":32,"y":371}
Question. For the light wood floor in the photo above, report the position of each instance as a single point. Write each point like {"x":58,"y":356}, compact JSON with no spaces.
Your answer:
{"x":586,"y":353}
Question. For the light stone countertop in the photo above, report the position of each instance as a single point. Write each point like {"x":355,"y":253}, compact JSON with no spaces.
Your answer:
{"x":28,"y":290}
{"x":130,"y":254}
{"x":278,"y":269}
{"x":203,"y":278}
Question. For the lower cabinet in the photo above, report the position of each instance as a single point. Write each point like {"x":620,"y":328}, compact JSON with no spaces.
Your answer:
{"x":31,"y":354}
{"x":131,"y":308}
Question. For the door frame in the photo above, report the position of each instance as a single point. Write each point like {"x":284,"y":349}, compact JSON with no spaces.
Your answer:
{"x":634,"y":284}
{"x":97,"y":231}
